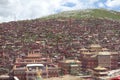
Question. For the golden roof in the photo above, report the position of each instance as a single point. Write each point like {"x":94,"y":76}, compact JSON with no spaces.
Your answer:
{"x":34,"y":55}
{"x":93,"y":56}
{"x":100,"y":68}
{"x":71,"y":61}
{"x":83,"y":49}
{"x":95,"y":45}
{"x":104,"y":53}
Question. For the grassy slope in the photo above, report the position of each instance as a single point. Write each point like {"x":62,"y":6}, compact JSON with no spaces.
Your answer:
{"x":88,"y":13}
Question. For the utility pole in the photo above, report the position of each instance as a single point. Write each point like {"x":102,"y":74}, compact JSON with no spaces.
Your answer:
{"x":47,"y":70}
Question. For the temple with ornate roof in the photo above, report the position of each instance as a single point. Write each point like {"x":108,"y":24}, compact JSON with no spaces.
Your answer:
{"x":26,"y":68}
{"x":95,"y":55}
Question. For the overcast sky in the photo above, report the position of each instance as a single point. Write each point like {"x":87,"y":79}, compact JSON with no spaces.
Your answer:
{"x":29,"y":9}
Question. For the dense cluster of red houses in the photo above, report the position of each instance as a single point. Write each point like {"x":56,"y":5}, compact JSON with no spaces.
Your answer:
{"x":56,"y":38}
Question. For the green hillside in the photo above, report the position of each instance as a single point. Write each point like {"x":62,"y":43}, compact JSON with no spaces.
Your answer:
{"x":88,"y":13}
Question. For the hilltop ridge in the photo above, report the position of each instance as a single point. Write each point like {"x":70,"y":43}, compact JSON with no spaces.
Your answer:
{"x":87,"y":13}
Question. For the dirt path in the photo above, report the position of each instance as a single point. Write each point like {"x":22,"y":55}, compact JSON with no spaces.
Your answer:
{"x":66,"y":77}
